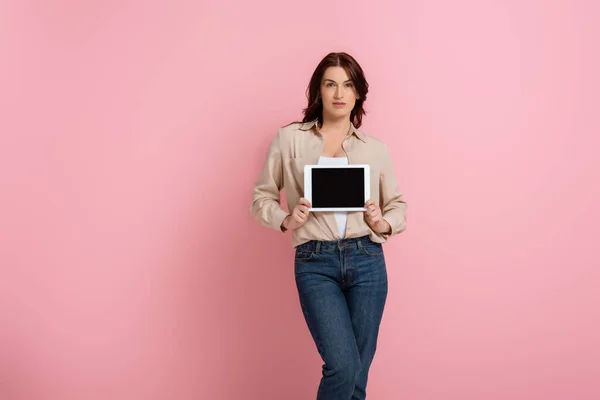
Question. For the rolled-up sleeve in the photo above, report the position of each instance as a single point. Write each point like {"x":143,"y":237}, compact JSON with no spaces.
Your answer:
{"x":392,"y":203}
{"x":266,"y":206}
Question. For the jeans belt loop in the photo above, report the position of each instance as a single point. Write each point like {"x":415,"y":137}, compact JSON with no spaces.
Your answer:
{"x":359,"y":244}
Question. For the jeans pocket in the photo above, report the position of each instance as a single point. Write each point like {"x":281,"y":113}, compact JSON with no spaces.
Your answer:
{"x":371,"y":248}
{"x":303,"y":255}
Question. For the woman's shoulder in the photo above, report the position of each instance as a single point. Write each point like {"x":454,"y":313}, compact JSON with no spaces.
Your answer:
{"x":296,"y":126}
{"x":370,"y":139}
{"x":293,"y":131}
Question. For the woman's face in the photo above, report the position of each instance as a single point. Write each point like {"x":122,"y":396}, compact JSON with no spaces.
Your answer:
{"x":338,"y":93}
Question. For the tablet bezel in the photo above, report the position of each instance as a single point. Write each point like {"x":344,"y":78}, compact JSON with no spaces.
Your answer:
{"x":308,"y":185}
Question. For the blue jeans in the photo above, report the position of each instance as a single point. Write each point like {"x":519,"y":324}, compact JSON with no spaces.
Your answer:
{"x":342,"y":287}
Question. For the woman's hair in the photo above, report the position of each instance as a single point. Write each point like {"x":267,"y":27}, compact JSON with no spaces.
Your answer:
{"x":314,"y":110}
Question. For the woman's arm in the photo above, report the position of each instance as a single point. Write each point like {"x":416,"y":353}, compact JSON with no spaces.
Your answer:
{"x":266,"y":207}
{"x":393,"y":206}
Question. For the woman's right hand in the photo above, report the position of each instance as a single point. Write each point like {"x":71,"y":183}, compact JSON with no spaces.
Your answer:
{"x":298,"y":216}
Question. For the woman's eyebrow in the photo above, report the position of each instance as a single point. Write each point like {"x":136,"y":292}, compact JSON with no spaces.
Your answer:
{"x":327,"y":79}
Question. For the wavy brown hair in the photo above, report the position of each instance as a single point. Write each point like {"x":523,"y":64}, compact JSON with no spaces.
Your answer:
{"x":314,"y":110}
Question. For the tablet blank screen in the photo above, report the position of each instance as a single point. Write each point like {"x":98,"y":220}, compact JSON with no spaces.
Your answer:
{"x":338,"y":187}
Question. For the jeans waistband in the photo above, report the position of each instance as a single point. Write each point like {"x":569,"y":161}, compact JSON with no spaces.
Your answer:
{"x":331,"y":245}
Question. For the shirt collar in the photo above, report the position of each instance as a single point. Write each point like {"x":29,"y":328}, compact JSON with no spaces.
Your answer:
{"x":353,"y":131}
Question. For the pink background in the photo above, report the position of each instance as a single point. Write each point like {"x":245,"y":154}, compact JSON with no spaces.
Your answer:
{"x":131,"y":135}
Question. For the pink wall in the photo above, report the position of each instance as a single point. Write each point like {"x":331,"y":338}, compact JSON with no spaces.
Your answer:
{"x":132,"y":132}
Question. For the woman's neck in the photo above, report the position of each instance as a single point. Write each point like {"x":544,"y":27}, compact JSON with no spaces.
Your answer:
{"x":341,"y":126}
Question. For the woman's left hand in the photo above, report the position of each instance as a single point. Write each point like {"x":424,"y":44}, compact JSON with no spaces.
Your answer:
{"x":374,"y":218}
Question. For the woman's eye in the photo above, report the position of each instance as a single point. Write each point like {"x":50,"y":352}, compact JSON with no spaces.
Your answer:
{"x":349,"y":85}
{"x":329,"y":84}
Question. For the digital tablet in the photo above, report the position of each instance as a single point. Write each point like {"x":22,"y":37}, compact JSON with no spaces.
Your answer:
{"x":337,"y":187}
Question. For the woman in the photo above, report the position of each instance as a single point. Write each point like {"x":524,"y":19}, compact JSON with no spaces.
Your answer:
{"x":339,"y":262}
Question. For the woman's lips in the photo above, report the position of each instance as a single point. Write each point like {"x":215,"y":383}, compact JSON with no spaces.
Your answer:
{"x":339,"y":105}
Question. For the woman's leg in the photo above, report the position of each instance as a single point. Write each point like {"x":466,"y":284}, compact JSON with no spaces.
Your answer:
{"x":366,"y":296}
{"x":319,"y":279}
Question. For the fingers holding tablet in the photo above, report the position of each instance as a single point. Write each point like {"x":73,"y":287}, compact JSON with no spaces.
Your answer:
{"x":299,"y":215}
{"x":304,"y":202}
{"x":373,"y":212}
{"x":374,"y":218}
